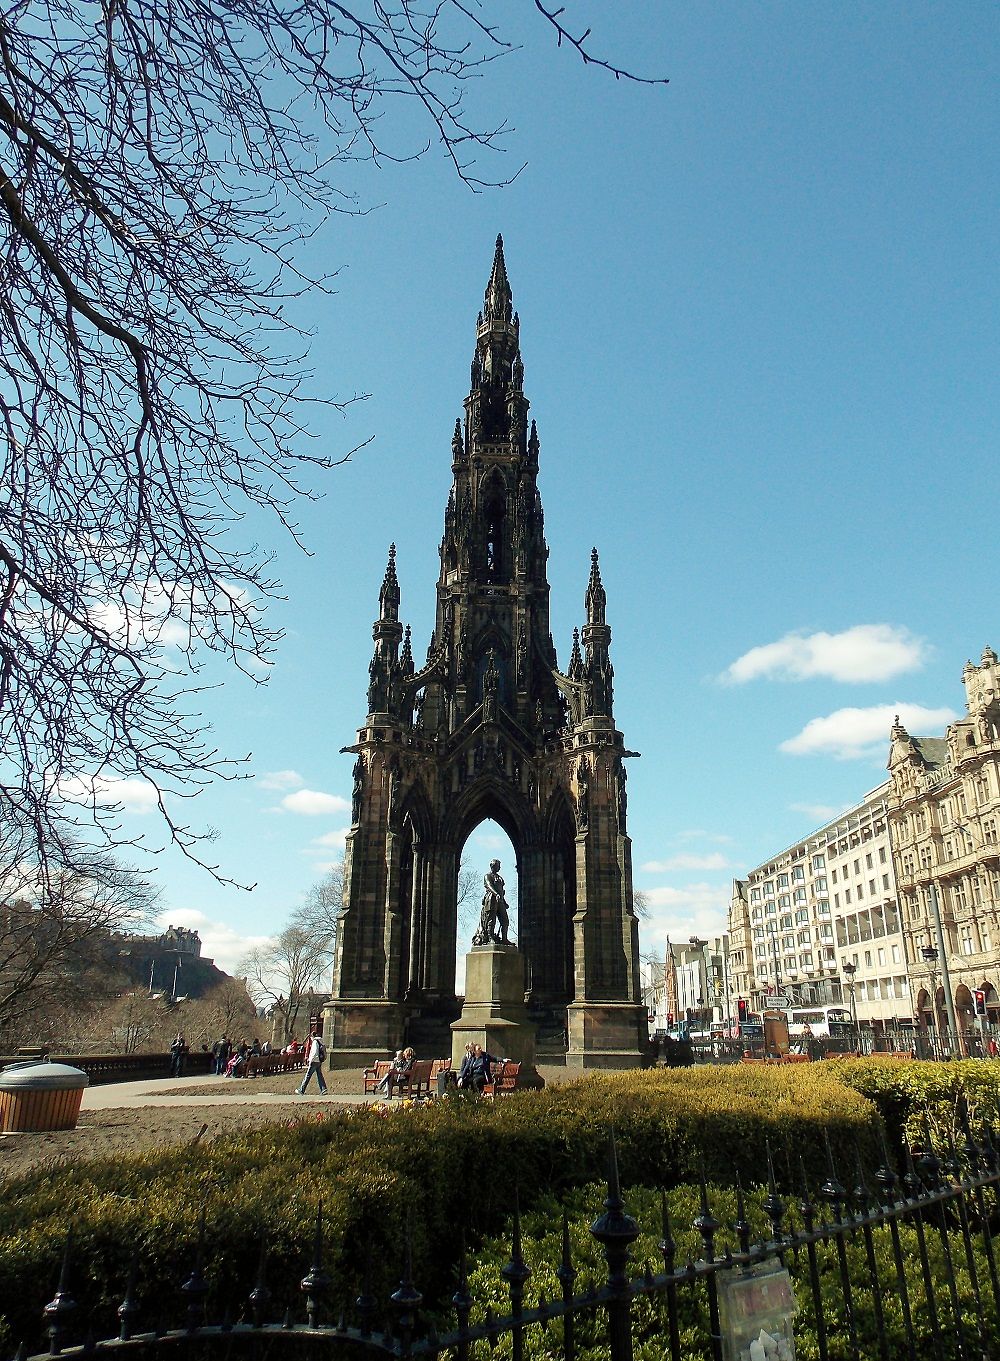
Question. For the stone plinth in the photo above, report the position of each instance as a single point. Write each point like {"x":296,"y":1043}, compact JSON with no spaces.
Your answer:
{"x":606,"y":1035}
{"x":494,"y":1014}
{"x":360,"y":1032}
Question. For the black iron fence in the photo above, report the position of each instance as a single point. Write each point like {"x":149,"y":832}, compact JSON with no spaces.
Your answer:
{"x":899,"y":1266}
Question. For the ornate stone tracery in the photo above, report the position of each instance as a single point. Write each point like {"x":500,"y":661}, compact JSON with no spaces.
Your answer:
{"x":490,"y":727}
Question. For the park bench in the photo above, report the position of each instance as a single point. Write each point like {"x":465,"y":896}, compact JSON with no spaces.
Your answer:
{"x":273,"y":1063}
{"x":417,"y":1082}
{"x":503,"y":1079}
{"x":376,"y":1074}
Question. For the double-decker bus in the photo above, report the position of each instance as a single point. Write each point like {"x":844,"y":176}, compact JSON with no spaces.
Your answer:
{"x":824,"y":1022}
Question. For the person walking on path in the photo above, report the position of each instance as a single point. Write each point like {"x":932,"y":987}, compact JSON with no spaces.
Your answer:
{"x":315,"y":1054}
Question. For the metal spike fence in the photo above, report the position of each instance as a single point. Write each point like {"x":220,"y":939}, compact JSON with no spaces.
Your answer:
{"x":920,"y":1247}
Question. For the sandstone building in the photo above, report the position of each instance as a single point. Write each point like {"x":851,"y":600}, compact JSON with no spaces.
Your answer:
{"x":826,"y":902}
{"x":489,"y":726}
{"x":944,"y":817}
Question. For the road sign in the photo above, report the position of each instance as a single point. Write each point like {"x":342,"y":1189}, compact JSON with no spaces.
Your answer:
{"x":779,"y":1000}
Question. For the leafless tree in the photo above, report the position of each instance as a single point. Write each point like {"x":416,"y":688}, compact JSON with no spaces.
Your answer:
{"x":468,"y":901}
{"x":323,"y":901}
{"x":55,"y":936}
{"x":287,"y":973}
{"x":161,"y":164}
{"x":226,"y":1009}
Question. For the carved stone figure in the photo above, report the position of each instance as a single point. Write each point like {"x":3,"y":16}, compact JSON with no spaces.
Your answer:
{"x":494,"y":922}
{"x":359,"y":789}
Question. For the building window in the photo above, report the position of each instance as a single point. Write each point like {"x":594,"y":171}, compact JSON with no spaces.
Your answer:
{"x":833,"y":876}
{"x":785,"y":902}
{"x":755,"y":895}
{"x":782,"y":880}
{"x":868,"y":862}
{"x":881,"y":855}
{"x":847,"y":895}
{"x":895,"y":954}
{"x":799,"y":873}
{"x":785,"y":923}
{"x":819,"y":885}
{"x":768,"y":889}
{"x":800,"y":895}
{"x":885,"y":881}
{"x":818,"y":862}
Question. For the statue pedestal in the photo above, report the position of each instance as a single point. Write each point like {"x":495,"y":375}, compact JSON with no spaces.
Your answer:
{"x":494,"y":1014}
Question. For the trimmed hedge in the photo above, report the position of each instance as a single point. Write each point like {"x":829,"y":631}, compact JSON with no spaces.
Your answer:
{"x":449,"y":1169}
{"x":908,"y":1093}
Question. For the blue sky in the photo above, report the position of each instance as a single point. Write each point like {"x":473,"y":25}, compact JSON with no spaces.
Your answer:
{"x":759,"y":328}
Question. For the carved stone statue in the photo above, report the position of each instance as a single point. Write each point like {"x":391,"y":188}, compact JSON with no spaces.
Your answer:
{"x":495,"y":920}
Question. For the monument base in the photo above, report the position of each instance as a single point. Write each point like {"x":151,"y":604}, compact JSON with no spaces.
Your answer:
{"x":359,"y":1032}
{"x":607,"y":1035}
{"x":494,"y":1014}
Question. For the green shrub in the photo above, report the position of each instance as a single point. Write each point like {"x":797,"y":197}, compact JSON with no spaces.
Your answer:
{"x":541,"y":1244}
{"x":448,"y":1170}
{"x":908,"y":1092}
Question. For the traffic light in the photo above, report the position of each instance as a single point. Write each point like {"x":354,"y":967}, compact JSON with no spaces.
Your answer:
{"x":742,"y":1010}
{"x":980,"y":1000}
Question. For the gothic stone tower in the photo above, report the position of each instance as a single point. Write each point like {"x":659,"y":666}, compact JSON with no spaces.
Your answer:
{"x":489,"y":727}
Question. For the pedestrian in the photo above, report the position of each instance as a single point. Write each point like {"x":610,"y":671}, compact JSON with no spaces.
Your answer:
{"x":178,"y":1056}
{"x":220,"y":1055}
{"x":315,"y":1056}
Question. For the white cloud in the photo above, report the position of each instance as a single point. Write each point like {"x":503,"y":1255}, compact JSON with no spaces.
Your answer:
{"x":132,"y":795}
{"x":713,"y":861}
{"x":331,"y":839}
{"x":219,"y":940}
{"x":819,"y":812}
{"x":280,"y":779}
{"x":312,"y":803}
{"x":850,"y":734}
{"x":675,"y":914}
{"x":866,"y":652}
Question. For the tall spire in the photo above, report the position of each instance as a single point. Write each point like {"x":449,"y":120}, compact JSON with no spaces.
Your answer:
{"x":596,"y":598}
{"x":388,"y":597}
{"x":598,"y":671}
{"x":498,"y":303}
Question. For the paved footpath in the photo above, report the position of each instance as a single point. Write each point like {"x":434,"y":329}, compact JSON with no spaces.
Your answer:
{"x":174,"y":1092}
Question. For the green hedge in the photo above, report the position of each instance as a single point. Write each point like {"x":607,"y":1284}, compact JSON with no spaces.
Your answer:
{"x":908,"y":1093}
{"x":449,"y":1169}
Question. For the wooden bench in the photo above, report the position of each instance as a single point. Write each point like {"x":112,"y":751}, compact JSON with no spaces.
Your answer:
{"x":417,"y":1082}
{"x":273,"y":1063}
{"x":503,"y":1079}
{"x":375,"y":1075}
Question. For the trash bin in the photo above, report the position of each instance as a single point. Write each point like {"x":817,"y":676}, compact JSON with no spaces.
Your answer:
{"x":40,"y":1096}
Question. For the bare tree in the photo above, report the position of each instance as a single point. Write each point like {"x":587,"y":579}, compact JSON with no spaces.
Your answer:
{"x":55,"y":938}
{"x":322,"y":905}
{"x":468,"y":901}
{"x":226,"y":1009}
{"x":161,"y":164}
{"x":287,"y":973}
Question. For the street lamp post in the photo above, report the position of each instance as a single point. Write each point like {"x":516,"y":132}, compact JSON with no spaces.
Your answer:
{"x":850,"y":970}
{"x":949,"y":996}
{"x":929,"y":954}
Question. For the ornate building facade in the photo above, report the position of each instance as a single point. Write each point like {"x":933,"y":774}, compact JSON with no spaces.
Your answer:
{"x":489,"y":726}
{"x":944,"y":816}
{"x":820,"y":923}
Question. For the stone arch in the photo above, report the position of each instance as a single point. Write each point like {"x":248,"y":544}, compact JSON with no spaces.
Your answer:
{"x":493,"y":501}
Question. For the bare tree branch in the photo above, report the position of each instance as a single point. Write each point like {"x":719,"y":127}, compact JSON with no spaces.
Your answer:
{"x":162,"y":163}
